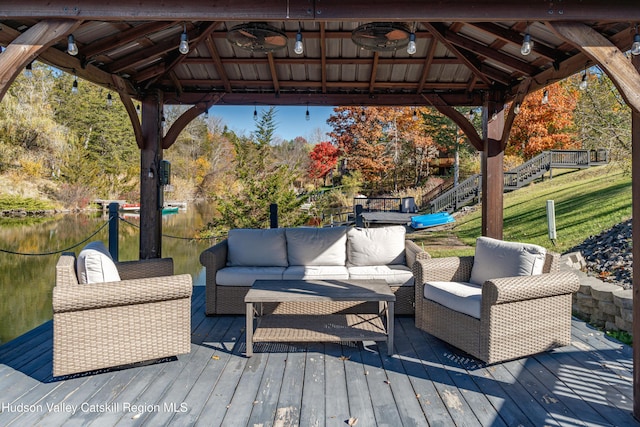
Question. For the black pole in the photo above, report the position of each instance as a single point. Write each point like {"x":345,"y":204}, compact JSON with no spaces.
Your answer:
{"x":359,"y":221}
{"x":114,"y":225}
{"x":273,"y":215}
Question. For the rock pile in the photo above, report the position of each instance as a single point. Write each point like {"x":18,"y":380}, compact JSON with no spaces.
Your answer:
{"x":608,"y":255}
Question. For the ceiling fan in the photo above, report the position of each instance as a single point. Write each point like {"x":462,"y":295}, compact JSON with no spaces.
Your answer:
{"x":257,"y":37}
{"x":381,"y":36}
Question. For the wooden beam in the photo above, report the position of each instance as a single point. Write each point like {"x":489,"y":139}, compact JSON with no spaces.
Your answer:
{"x":121,"y":87}
{"x":374,"y":71}
{"x":492,"y":169}
{"x":635,"y":247}
{"x":610,"y":59}
{"x":123,"y":37}
{"x":323,"y":57}
{"x":185,"y":118}
{"x":150,"y":190}
{"x":28,"y":45}
{"x":438,"y":32}
{"x":523,"y":90}
{"x":458,"y":118}
{"x":428,"y":61}
{"x":274,"y":74}
{"x":330,"y":100}
{"x":514,"y":37}
{"x":217,"y":63}
{"x":354,"y":10}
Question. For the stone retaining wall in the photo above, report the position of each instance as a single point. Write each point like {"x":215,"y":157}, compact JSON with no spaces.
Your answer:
{"x":601,"y":304}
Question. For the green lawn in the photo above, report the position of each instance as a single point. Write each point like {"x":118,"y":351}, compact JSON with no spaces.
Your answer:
{"x":587,"y":202}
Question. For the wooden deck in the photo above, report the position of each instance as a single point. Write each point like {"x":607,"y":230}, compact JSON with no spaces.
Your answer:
{"x":425,"y":383}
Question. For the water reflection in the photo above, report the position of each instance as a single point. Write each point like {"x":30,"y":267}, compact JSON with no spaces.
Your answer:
{"x":26,"y":282}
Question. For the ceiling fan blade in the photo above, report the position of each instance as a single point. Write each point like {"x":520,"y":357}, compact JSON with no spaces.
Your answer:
{"x":396,"y":35}
{"x":276,"y":40}
{"x":247,"y":34}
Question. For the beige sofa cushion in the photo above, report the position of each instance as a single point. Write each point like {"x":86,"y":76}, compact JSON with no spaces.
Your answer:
{"x":394,"y":275}
{"x":497,"y":258}
{"x":95,"y":265}
{"x":316,"y":272}
{"x":317,"y":246}
{"x":245,"y":276}
{"x":257,"y":248}
{"x":375,"y":246}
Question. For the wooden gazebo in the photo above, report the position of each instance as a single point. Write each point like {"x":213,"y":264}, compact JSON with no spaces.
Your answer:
{"x":354,"y":52}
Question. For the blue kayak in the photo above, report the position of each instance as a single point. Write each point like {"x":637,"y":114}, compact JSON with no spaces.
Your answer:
{"x":431,"y":220}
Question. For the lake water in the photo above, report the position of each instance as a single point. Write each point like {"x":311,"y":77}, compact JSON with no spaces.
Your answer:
{"x":26,"y":282}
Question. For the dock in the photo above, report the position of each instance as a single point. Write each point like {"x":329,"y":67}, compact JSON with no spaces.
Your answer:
{"x":426,"y":382}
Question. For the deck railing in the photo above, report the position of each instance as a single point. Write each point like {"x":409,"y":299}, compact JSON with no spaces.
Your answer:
{"x":378,"y":204}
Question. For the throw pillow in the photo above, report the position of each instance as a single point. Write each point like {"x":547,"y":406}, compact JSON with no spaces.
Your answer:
{"x":317,"y":246}
{"x":496,"y":258}
{"x":95,"y":265}
{"x":376,"y":246}
{"x":248,"y":247}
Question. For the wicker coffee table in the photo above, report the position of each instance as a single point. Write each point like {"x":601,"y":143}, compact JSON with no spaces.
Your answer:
{"x":321,"y":327}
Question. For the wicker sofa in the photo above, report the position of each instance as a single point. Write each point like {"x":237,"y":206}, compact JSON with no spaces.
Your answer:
{"x":494,"y":305}
{"x":304,"y":253}
{"x":144,"y":316}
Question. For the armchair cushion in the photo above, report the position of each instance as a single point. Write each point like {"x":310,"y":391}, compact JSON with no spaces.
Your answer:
{"x":376,"y":246}
{"x":257,"y":248}
{"x":497,"y":258}
{"x":95,"y":265}
{"x":459,"y":296}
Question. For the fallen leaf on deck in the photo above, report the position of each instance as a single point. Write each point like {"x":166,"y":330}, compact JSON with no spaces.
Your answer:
{"x":345,"y":357}
{"x":215,"y":357}
{"x":352,"y":421}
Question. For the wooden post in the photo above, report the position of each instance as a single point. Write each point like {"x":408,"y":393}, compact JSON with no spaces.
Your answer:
{"x":635,"y":251}
{"x":114,"y":230}
{"x":492,"y":172}
{"x":273,"y":215}
{"x":150,"y":190}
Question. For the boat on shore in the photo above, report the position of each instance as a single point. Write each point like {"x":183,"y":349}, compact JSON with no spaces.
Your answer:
{"x":431,"y":220}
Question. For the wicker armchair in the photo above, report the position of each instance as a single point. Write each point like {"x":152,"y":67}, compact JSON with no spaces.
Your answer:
{"x":519,"y":316}
{"x":145,"y":316}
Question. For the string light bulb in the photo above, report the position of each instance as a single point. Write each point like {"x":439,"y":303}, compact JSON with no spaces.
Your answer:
{"x":255,"y":113}
{"x":28,"y":70}
{"x":206,"y":114}
{"x":415,"y":115}
{"x":184,"y":41}
{"x":545,"y":97}
{"x":583,"y":83}
{"x":74,"y":86}
{"x":363,"y":116}
{"x":527,"y":45}
{"x":307,"y":117}
{"x":411,"y":47}
{"x":635,"y":46}
{"x":72,"y":47}
{"x":109,"y":100}
{"x":298,"y":47}
{"x":516,"y":108}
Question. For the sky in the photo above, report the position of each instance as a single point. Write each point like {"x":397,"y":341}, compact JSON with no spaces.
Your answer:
{"x":290,"y":120}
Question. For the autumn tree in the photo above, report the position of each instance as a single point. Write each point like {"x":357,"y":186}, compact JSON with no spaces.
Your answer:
{"x":545,"y":125}
{"x":324,"y":158}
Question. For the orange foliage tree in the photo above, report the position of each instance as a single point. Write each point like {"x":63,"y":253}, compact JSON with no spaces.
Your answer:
{"x":386,"y":144}
{"x":545,"y":126}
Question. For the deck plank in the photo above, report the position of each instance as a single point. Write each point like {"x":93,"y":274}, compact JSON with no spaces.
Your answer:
{"x":426,"y":382}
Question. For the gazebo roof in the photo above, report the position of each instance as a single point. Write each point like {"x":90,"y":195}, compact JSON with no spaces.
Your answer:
{"x":463,"y":50}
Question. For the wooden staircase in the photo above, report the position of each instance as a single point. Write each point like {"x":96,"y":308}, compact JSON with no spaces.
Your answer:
{"x":470,"y":190}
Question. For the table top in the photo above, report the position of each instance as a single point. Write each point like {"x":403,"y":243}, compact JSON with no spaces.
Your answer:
{"x":319,"y":290}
